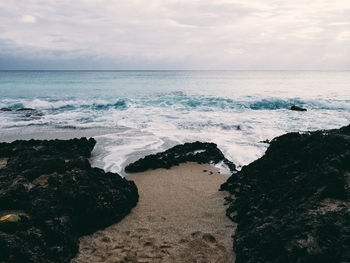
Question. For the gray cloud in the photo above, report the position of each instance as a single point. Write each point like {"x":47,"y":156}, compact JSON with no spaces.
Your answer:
{"x":169,"y":34}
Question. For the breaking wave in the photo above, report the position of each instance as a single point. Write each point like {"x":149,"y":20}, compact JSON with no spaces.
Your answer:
{"x":180,"y":102}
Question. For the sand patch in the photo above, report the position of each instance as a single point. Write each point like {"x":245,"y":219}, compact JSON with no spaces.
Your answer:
{"x":180,"y":217}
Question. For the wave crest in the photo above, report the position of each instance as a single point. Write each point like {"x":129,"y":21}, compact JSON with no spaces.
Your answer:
{"x":178,"y":102}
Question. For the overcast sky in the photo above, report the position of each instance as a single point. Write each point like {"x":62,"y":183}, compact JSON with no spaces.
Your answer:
{"x":175,"y":34}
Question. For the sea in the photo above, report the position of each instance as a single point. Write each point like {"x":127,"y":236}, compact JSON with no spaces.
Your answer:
{"x":135,"y":113}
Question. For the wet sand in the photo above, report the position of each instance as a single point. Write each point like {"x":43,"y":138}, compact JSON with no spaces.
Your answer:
{"x":51,"y":133}
{"x":180,"y":217}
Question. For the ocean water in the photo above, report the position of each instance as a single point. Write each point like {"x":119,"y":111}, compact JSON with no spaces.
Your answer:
{"x":135,"y":113}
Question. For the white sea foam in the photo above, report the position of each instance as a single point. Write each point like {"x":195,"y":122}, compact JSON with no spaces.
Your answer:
{"x":150,"y":112}
{"x":223,"y":168}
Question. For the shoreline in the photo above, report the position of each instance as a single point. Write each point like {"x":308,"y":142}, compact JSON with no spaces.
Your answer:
{"x":300,"y":185}
{"x":180,"y":217}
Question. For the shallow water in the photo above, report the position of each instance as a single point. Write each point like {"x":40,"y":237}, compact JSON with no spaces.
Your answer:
{"x":134,"y":113}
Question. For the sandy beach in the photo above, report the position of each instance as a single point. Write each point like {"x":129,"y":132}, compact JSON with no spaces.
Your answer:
{"x":180,"y":217}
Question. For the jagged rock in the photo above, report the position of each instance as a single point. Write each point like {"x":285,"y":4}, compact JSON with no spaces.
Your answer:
{"x":58,"y":196}
{"x":189,"y":152}
{"x":292,"y":204}
{"x":25,"y":109}
{"x":297,"y":108}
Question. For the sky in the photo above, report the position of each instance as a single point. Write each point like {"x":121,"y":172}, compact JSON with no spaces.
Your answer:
{"x":181,"y":34}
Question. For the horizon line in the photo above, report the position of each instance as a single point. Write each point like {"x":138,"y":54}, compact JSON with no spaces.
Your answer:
{"x":320,"y":70}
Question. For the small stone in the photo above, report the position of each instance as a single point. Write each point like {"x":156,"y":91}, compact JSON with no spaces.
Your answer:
{"x":10,"y":218}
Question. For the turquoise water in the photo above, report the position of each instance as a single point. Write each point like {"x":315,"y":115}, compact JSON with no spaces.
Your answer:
{"x":148,"y":111}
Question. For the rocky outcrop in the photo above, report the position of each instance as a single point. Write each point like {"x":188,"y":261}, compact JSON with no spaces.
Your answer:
{"x":189,"y":152}
{"x":293,"y":204}
{"x":50,"y":196}
{"x":297,"y":108}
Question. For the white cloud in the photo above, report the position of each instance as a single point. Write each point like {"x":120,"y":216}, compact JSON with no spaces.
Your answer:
{"x":264,"y":34}
{"x":28,"y":19}
{"x":344,"y":36}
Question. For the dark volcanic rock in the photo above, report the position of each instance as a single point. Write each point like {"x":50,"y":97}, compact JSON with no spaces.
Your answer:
{"x":54,"y":196}
{"x":189,"y":152}
{"x":5,"y":109}
{"x":297,"y":108}
{"x":25,"y":109}
{"x":292,"y":205}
